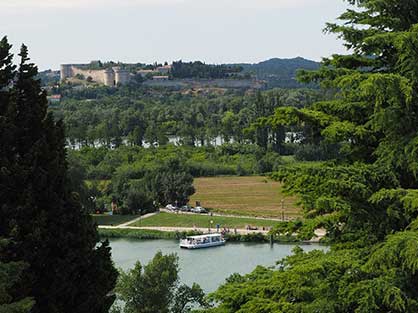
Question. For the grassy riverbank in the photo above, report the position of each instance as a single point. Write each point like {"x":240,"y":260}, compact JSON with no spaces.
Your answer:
{"x":145,"y":234}
{"x":249,"y":196}
{"x":136,"y":234}
{"x":201,"y":221}
{"x":112,"y":220}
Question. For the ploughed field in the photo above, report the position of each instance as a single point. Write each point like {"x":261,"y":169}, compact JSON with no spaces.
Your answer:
{"x":201,"y":221}
{"x":251,"y":196}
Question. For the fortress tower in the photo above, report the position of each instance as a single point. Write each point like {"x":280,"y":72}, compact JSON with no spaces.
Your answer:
{"x":66,"y":71}
{"x":109,"y":77}
{"x":106,"y":76}
{"x":121,"y":76}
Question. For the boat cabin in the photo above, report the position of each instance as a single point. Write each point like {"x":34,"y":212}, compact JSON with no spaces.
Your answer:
{"x":202,"y":241}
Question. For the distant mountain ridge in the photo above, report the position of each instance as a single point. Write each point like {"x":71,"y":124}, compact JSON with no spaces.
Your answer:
{"x":280,"y":73}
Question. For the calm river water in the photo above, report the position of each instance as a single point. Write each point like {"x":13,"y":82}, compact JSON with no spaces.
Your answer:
{"x":207,"y":267}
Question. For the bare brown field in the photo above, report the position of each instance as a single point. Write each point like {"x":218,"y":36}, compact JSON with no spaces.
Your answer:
{"x":252,"y":196}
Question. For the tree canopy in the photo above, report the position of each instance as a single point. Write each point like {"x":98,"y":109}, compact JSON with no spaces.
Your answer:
{"x":366,"y":198}
{"x":62,"y":265}
{"x":155,"y":288}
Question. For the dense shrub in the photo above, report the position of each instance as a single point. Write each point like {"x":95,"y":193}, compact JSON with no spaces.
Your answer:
{"x":322,"y":152}
{"x":139,"y":201}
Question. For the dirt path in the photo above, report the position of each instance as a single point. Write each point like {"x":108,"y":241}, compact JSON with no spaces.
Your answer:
{"x":181,"y":229}
{"x":124,"y":225}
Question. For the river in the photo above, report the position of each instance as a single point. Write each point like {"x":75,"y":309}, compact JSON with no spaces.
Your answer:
{"x":207,"y":267}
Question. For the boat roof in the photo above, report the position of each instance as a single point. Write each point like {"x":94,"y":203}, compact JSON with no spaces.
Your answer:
{"x":204,"y":236}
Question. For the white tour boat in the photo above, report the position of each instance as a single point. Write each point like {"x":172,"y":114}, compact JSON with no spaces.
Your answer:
{"x":202,"y":241}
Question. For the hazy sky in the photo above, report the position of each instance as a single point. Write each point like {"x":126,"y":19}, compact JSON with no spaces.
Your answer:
{"x":214,"y":31}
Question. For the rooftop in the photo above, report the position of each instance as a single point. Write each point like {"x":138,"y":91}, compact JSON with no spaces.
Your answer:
{"x":204,"y":236}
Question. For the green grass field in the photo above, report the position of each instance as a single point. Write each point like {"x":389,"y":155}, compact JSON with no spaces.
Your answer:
{"x":200,"y":221}
{"x":251,"y":196}
{"x":114,"y":220}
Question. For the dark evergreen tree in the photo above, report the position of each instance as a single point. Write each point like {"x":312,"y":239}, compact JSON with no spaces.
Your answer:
{"x":68,"y":271}
{"x":10,"y":277}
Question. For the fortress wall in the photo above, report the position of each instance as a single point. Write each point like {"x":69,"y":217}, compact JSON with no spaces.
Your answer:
{"x":96,"y":75}
{"x":108,"y":77}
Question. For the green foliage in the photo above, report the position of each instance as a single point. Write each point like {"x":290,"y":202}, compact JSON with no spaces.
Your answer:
{"x":163,"y":174}
{"x":112,"y":220}
{"x":143,"y":234}
{"x":103,"y":116}
{"x":139,"y":201}
{"x":280,"y":73}
{"x":65,"y":267}
{"x":155,"y":288}
{"x":201,"y":70}
{"x":10,"y":277}
{"x":136,"y":162}
{"x":366,"y":197}
{"x":171,"y":183}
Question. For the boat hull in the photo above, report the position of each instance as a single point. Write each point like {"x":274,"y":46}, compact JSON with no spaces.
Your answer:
{"x":202,"y":246}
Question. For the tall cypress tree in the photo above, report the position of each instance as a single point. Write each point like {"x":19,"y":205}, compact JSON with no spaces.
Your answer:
{"x":68,"y":271}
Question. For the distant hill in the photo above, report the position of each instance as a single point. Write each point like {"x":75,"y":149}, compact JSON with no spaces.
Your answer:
{"x":280,"y":72}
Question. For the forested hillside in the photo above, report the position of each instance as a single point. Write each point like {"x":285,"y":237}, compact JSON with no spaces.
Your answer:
{"x":280,"y":73}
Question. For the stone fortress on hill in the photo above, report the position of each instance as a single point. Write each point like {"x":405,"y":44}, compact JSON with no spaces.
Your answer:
{"x":108,"y":76}
{"x":185,"y":76}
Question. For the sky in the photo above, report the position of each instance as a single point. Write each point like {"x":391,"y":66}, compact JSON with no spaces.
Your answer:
{"x":148,"y":31}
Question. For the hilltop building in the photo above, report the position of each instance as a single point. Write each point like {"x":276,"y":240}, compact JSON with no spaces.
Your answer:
{"x":164,"y":69}
{"x":109,"y":76}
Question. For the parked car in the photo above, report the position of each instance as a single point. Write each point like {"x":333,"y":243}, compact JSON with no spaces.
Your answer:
{"x":199,"y":209}
{"x":186,"y":208}
{"x":171,"y":207}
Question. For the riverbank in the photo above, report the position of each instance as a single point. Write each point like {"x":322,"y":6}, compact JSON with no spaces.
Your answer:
{"x":175,"y":226}
{"x":153,"y":234}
